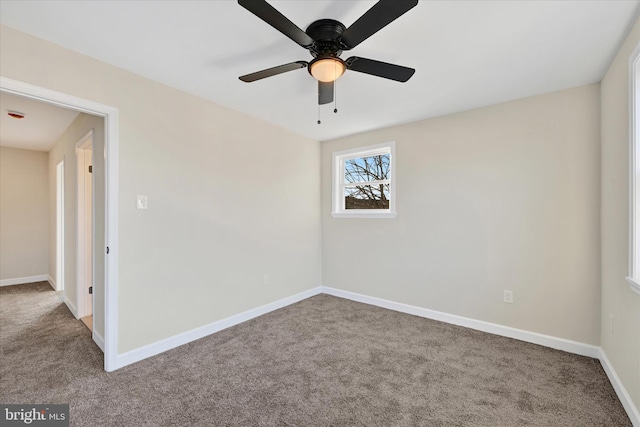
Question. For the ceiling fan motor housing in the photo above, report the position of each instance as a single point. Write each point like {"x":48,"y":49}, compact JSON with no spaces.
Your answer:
{"x":326,"y":35}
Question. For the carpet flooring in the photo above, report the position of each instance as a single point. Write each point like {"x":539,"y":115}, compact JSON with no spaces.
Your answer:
{"x":324,"y":361}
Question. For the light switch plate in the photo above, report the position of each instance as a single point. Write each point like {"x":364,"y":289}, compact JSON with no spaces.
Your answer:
{"x":141,"y":202}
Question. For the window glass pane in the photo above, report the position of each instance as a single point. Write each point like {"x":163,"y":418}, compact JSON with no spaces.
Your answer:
{"x":364,"y":169}
{"x":367,"y":197}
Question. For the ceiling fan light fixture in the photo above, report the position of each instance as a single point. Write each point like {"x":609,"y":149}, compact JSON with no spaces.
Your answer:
{"x":327,"y":69}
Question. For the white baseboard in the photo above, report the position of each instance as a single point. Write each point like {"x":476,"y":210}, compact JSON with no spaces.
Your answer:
{"x":98,"y":339}
{"x":493,"y":328}
{"x":72,"y":308}
{"x":158,"y":347}
{"x":621,"y":391}
{"x":52,"y":282}
{"x":22,"y":280}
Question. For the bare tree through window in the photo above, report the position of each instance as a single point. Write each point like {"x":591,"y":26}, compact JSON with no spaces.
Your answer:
{"x":367,"y":182}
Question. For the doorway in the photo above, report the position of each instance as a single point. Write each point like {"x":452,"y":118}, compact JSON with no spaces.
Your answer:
{"x":60,"y":226}
{"x":108,"y":304}
{"x":85,"y":229}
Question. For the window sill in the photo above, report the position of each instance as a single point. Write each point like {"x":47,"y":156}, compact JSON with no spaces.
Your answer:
{"x":634,"y":285}
{"x":381,"y":215}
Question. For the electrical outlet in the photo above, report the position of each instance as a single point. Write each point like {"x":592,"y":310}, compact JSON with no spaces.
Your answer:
{"x":265,"y":279}
{"x":508,"y":296}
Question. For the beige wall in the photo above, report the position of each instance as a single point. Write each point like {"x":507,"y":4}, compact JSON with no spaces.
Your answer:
{"x":230,"y":197}
{"x":65,"y":149}
{"x":24,"y":227}
{"x":623,"y":345}
{"x":502,"y":197}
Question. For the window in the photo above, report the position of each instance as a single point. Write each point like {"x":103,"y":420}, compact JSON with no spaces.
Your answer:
{"x":634,"y":172}
{"x":364,"y":182}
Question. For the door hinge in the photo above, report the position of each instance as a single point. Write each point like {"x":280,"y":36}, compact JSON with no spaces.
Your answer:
{"x":90,"y":168}
{"x":107,"y":250}
{"x":90,"y":289}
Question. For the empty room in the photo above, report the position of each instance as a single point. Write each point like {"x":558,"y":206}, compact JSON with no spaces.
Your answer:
{"x":320,"y":213}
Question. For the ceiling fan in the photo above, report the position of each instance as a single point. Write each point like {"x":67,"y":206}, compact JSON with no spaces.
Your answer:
{"x":326,"y":39}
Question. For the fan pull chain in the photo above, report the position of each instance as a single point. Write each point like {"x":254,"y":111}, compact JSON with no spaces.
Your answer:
{"x":319,"y":122}
{"x":335,"y":92}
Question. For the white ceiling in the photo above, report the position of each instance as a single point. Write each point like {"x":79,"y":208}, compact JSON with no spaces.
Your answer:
{"x":42,"y":125}
{"x":467,"y":54}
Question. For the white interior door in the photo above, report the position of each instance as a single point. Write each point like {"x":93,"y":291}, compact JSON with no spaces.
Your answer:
{"x":88,"y":247}
{"x":85,"y":222}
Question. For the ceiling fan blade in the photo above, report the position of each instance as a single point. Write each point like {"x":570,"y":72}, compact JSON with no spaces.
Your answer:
{"x":325,"y":92}
{"x":271,"y":16}
{"x":379,"y":16}
{"x":380,"y":69}
{"x":273,"y":71}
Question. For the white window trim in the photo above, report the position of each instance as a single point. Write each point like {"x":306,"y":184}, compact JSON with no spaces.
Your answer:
{"x":338,"y":158}
{"x":634,"y":162}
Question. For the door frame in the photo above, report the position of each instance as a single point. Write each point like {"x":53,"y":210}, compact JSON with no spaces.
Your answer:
{"x":110,"y":115}
{"x":60,"y":246}
{"x":82,"y":281}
